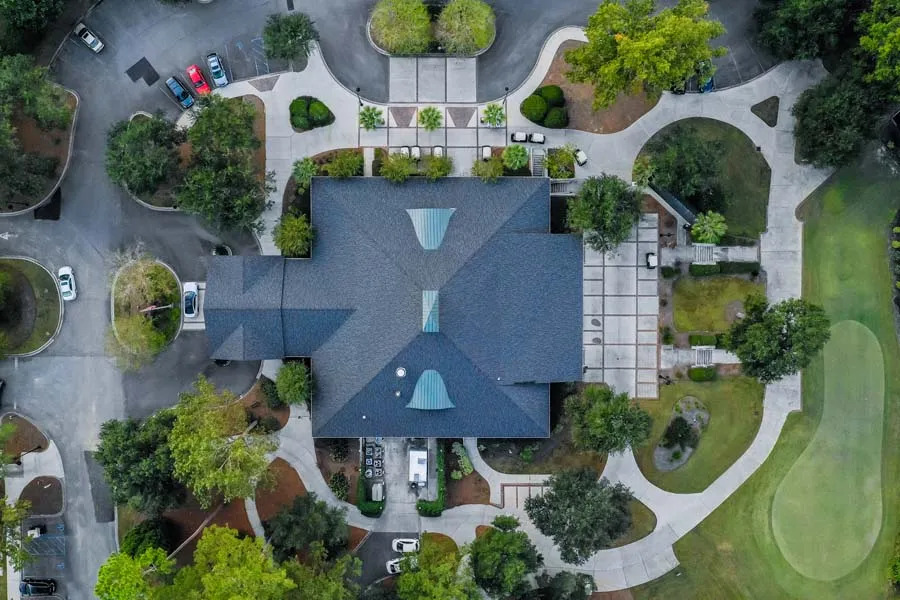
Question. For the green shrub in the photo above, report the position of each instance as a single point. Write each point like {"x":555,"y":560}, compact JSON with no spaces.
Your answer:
{"x":339,"y":449}
{"x":737,"y":268}
{"x":299,"y":110}
{"x":489,"y":170}
{"x":371,"y":117}
{"x":456,"y":475}
{"x":679,"y":433}
{"x":553,"y":94}
{"x":676,"y":455}
{"x":434,"y":508}
{"x":515,"y":157}
{"x":340,"y":485}
{"x":896,"y":230}
{"x":462,"y":459}
{"x":270,"y":393}
{"x":560,"y":162}
{"x":534,"y":108}
{"x":369,"y":508}
{"x":465,"y":26}
{"x":668,"y":338}
{"x":293,"y":383}
{"x":668,"y":272}
{"x":401,"y":26}
{"x":435,"y":167}
{"x":704,"y":270}
{"x":526,"y":455}
{"x":293,"y":235}
{"x":702,"y":373}
{"x":703,"y":339}
{"x":397,"y":168}
{"x":557,"y":118}
{"x":895,"y":244}
{"x":268,"y":424}
{"x":304,"y":170}
{"x":319,"y":114}
{"x":152,"y":533}
{"x":494,"y":115}
{"x":346,"y":163}
{"x":430,"y":118}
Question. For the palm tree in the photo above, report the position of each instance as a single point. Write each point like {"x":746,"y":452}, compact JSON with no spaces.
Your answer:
{"x":709,"y":228}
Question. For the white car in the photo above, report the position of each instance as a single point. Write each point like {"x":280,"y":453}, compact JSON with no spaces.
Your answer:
{"x":580,"y":157}
{"x":88,"y":37}
{"x":66,"y":279}
{"x":395,"y":565}
{"x":404,"y":545}
{"x":191,"y":299}
{"x":216,"y":70}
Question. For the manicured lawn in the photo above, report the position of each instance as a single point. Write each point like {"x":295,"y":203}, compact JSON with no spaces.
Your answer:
{"x":40,"y":305}
{"x":702,"y":303}
{"x":735,"y":411}
{"x":444,"y":542}
{"x":733,"y":553}
{"x":643,"y":521}
{"x":745,"y":176}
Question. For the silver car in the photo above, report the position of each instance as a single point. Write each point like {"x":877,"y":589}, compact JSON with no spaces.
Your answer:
{"x":89,"y":38}
{"x":216,"y":70}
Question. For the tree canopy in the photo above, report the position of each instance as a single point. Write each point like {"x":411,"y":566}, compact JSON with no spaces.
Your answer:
{"x":774,"y":341}
{"x":123,"y":577}
{"x":33,"y":16}
{"x":604,"y":210}
{"x":318,"y":579}
{"x":881,"y":38}
{"x":709,"y":228}
{"x":305,"y":521}
{"x":137,"y":463}
{"x":142,"y":153}
{"x":293,"y":383}
{"x":630,"y":48}
{"x":688,"y":166}
{"x":797,"y":29}
{"x":605,"y":421}
{"x":436,"y":576}
{"x":580,"y":513}
{"x":565,"y":585}
{"x":293,"y":235}
{"x":12,"y":545}
{"x":289,"y":37}
{"x":215,"y":448}
{"x":503,"y":558}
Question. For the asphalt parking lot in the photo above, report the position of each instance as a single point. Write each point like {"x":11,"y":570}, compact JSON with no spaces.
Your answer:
{"x":375,"y":552}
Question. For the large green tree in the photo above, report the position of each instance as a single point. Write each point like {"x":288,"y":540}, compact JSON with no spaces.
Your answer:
{"x":229,"y":567}
{"x":687,"y":165}
{"x":881,"y":38}
{"x":223,"y":125}
{"x":503,"y":558}
{"x":123,"y":577}
{"x":289,"y":37}
{"x":318,"y":579}
{"x":138,"y":464}
{"x":437,"y":575}
{"x":580,"y":513}
{"x":630,"y":47}
{"x":774,"y":341}
{"x":142,"y":153}
{"x":32,"y":16}
{"x":796,"y":29}
{"x":215,"y":447}
{"x":604,"y":211}
{"x":605,"y":421}
{"x":565,"y":585}
{"x":305,"y":521}
{"x":12,"y":541}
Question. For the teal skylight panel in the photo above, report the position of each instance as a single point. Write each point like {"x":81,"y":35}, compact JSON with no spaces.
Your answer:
{"x":430,"y":225}
{"x":430,"y":392}
{"x":430,"y":311}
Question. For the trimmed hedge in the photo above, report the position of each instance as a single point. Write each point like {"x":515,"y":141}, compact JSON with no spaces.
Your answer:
{"x":703,"y":339}
{"x":668,"y":272}
{"x":704,"y":270}
{"x":557,"y":118}
{"x":369,"y":508}
{"x":434,"y":508}
{"x":553,"y":94}
{"x":534,"y":108}
{"x":702,"y":373}
{"x":308,"y":112}
{"x":737,"y":268}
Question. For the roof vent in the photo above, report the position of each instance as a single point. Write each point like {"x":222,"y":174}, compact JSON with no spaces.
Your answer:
{"x":430,"y":225}
{"x":401,"y":372}
{"x":430,"y":392}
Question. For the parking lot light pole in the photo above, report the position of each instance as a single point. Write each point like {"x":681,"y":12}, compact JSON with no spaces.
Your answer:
{"x":18,"y":459}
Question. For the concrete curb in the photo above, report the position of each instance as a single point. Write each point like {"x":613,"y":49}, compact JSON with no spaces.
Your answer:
{"x":65,"y":168}
{"x":384,"y":52}
{"x":112,"y":302}
{"x":62,"y":310}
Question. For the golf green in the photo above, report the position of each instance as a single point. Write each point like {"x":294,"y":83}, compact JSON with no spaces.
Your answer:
{"x":826,"y":514}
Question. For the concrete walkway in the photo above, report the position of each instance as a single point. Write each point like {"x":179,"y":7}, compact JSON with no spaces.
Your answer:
{"x":780,"y":254}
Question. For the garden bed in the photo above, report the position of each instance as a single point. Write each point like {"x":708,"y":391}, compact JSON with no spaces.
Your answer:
{"x":190,"y":515}
{"x":421,"y":33}
{"x":143,"y":283}
{"x":308,"y":113}
{"x":287,"y":486}
{"x":735,"y":413}
{"x":51,"y":143}
{"x":45,"y":495}
{"x":255,"y":402}
{"x":31,"y":315}
{"x":542,"y":455}
{"x":686,"y":426}
{"x":329,"y":463}
{"x":25,"y":438}
{"x":580,"y":97}
{"x":710,"y":303}
{"x":471,"y":488}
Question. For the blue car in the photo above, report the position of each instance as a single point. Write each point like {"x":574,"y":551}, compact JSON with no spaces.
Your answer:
{"x":181,"y":94}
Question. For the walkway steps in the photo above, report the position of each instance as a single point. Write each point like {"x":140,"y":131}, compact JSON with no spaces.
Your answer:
{"x":537,"y":163}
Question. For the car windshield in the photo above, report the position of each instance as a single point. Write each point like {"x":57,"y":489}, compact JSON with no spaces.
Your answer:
{"x":199,"y":83}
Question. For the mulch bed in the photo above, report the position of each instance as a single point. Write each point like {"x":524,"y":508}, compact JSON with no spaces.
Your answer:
{"x":480,"y":530}
{"x":188,"y":517}
{"x":355,"y":538}
{"x":471,"y":489}
{"x":53,"y":143}
{"x":349,"y":467}
{"x":580,"y":97}
{"x":255,"y":401}
{"x":45,"y":495}
{"x":288,"y":486}
{"x":26,"y":436}
{"x":290,"y":201}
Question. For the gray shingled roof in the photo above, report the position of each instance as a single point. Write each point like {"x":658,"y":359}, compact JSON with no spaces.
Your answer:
{"x":510,"y":308}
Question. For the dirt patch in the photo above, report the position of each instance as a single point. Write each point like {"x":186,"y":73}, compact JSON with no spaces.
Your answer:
{"x":471,"y":489}
{"x":190,"y":515}
{"x":26,"y":436}
{"x":51,"y":143}
{"x":45,"y":495}
{"x":287,"y":486}
{"x":733,"y":309}
{"x":329,"y":466}
{"x":259,"y":132}
{"x":355,"y":537}
{"x":580,"y":97}
{"x":480,"y":530}
{"x":255,"y":402}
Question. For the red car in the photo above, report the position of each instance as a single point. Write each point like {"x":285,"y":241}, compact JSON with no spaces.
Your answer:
{"x":196,"y":77}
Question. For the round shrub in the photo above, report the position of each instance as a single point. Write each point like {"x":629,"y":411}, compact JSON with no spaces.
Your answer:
{"x":465,"y":26}
{"x":340,"y":485}
{"x":299,"y":113}
{"x":557,"y":118}
{"x":553,"y":94}
{"x":534,"y":108}
{"x":318,"y":113}
{"x":401,"y":26}
{"x":152,"y":533}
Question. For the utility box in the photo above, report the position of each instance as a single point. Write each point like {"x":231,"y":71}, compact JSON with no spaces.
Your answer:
{"x":418,"y":467}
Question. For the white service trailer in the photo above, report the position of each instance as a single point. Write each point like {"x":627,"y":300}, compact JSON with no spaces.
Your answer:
{"x":418,"y":467}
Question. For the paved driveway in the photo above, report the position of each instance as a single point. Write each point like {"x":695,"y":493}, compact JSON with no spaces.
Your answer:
{"x":375,"y":552}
